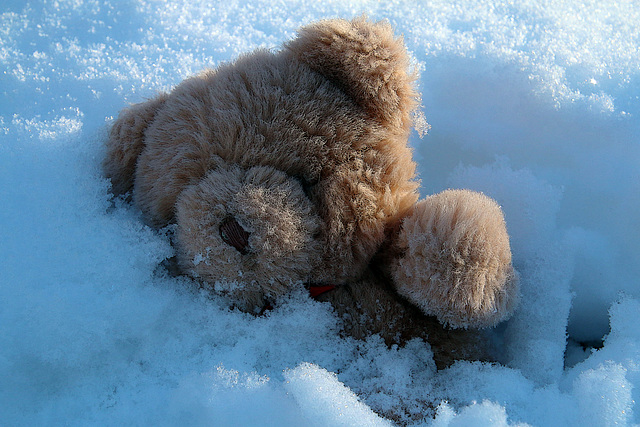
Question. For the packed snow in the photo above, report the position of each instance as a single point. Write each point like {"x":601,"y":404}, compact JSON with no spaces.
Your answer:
{"x":537,"y":104}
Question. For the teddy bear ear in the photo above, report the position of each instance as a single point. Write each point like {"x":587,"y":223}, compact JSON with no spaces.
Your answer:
{"x":366,"y":61}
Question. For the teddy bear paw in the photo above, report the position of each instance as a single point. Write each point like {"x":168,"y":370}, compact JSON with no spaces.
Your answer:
{"x":455,"y":260}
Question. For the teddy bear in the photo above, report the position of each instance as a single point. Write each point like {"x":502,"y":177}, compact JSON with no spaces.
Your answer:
{"x":292,"y":168}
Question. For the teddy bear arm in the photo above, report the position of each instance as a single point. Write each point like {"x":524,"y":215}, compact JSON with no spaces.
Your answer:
{"x":454,"y":260}
{"x":126,"y":142}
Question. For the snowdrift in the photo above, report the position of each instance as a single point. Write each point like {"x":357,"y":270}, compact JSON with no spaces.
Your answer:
{"x":537,"y":105}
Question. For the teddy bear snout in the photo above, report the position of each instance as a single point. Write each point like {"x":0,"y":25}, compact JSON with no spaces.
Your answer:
{"x":252,"y":233}
{"x":234,"y":235}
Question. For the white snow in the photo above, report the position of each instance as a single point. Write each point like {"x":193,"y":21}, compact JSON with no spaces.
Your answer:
{"x":537,"y":104}
{"x":325,"y":401}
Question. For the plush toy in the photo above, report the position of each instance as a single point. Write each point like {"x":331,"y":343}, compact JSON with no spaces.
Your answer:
{"x":292,"y":167}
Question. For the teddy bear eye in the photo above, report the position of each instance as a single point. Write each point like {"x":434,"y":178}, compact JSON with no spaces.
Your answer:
{"x":306,"y":186}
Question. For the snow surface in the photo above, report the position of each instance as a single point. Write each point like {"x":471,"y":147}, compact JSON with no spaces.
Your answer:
{"x":536,"y":103}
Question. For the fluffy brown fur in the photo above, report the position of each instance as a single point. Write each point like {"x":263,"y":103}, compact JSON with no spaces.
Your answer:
{"x":367,"y":62}
{"x":463,"y":239}
{"x":292,"y":166}
{"x":281,"y":222}
{"x":126,"y":142}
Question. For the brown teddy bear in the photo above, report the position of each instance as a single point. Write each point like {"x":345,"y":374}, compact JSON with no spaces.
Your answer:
{"x":292,"y":167}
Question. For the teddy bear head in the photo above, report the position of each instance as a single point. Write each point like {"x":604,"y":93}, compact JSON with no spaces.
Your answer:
{"x":281,"y":167}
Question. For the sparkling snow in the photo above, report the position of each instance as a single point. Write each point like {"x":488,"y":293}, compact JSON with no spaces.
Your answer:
{"x":537,"y":104}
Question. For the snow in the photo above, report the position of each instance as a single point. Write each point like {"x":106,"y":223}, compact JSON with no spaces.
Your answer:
{"x":534,"y":103}
{"x":326,"y":401}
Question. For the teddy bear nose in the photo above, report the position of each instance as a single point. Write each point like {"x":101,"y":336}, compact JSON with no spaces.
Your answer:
{"x":234,"y":235}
